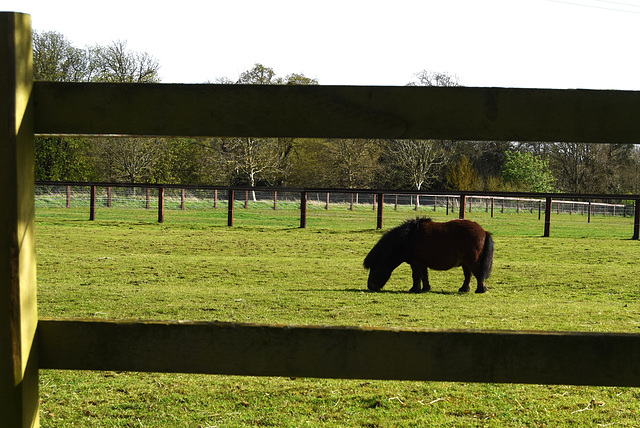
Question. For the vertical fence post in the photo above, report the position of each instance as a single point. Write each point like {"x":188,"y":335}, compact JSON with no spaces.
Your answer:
{"x":327,"y":205}
{"x":232,"y":198}
{"x":18,"y":307}
{"x":492,"y":203}
{"x":109,"y":197}
{"x":539,"y":209}
{"x":463,"y":204}
{"x":215,"y":199}
{"x":435,"y":203}
{"x":636,"y":221}
{"x":589,"y":213}
{"x":351,"y":206}
{"x":92,"y":203}
{"x":275,"y":200}
{"x":447,"y":212}
{"x":547,"y":218}
{"x":395,"y":206}
{"x":380,"y":211}
{"x":182,"y":199}
{"x":303,"y":210}
{"x":161,"y":205}
{"x":148,"y":205}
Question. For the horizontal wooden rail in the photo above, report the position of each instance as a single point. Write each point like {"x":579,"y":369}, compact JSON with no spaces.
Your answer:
{"x":459,"y":113}
{"x":341,"y":352}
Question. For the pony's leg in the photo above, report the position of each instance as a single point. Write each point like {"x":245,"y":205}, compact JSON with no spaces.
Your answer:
{"x":467,"y":280}
{"x":481,"y":287}
{"x":425,"y":280}
{"x":417,"y":278}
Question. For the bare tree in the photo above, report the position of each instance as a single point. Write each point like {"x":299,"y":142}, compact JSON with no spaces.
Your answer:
{"x":434,"y":78}
{"x":115,"y":63}
{"x":416,"y":163}
{"x":353,"y":162}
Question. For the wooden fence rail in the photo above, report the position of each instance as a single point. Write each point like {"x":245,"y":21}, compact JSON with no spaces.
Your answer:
{"x":27,"y":344}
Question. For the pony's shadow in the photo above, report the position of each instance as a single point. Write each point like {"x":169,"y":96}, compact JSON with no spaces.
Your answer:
{"x":443,"y":292}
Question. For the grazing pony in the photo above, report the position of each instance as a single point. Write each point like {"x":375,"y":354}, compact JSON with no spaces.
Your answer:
{"x":424,"y":243}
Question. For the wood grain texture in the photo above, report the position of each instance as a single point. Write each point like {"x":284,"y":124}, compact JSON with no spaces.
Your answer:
{"x":460,"y":113}
{"x":341,"y":352}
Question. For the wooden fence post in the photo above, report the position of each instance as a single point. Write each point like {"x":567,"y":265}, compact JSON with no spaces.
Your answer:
{"x":232,"y":198}
{"x":18,"y":307}
{"x":109,"y":197}
{"x":547,"y":218}
{"x":182,"y":199}
{"x":275,"y":200}
{"x":589,"y":213}
{"x":92,"y":203}
{"x":463,"y":203}
{"x":303,"y":210}
{"x":380,"y":211}
{"x":636,"y":221}
{"x":148,"y":205}
{"x":161,"y":205}
{"x":327,"y":205}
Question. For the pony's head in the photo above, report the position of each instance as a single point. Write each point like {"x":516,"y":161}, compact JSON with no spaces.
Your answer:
{"x":388,"y":254}
{"x":378,"y":277}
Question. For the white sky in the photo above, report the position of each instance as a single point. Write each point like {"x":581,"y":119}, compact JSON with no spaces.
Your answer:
{"x":509,"y":43}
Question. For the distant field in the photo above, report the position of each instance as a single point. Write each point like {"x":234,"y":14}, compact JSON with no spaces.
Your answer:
{"x":266,"y":269}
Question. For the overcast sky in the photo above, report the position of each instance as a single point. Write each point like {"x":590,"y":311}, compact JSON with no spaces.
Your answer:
{"x":509,"y":43}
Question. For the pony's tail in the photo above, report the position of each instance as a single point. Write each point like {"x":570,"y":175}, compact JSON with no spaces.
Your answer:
{"x":486,"y":259}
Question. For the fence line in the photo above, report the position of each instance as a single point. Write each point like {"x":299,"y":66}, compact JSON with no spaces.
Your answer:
{"x":49,"y":192}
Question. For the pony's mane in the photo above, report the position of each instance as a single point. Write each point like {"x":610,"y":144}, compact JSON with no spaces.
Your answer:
{"x":393,"y":242}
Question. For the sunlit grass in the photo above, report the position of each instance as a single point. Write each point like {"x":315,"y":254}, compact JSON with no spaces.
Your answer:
{"x":267,"y":269}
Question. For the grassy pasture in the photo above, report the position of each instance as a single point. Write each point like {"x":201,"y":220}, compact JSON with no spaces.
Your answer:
{"x":266,"y":269}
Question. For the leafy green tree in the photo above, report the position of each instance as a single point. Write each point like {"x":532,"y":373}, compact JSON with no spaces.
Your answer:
{"x":259,"y":75}
{"x":63,"y":159}
{"x":56,"y":59}
{"x":463,"y":176}
{"x":527,"y":172}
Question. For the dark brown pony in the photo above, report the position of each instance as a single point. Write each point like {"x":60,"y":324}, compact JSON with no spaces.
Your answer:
{"x":425,"y":244}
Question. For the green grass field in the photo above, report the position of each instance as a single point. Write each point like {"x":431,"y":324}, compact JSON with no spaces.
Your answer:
{"x":125,"y":265}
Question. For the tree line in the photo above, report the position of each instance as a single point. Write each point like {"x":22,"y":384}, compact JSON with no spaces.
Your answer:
{"x":295,"y":162}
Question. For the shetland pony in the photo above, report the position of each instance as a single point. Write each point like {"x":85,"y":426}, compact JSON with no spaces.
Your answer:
{"x":426,"y":244}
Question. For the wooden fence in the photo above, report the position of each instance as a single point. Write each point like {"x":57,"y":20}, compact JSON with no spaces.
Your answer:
{"x":27,"y":344}
{"x":453,"y":199}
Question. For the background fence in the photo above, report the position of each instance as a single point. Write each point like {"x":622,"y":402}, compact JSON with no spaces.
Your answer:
{"x":171,"y":197}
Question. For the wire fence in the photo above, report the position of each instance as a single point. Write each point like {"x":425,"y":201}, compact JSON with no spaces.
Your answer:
{"x":210,"y":198}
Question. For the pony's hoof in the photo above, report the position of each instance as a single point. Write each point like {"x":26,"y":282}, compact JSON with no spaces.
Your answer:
{"x":415,"y":290}
{"x":481,"y":290}
{"x":463,"y":290}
